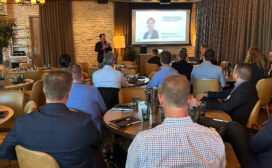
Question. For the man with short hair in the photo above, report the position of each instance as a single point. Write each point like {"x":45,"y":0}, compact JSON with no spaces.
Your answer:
{"x":69,"y":136}
{"x":238,"y":101}
{"x":102,"y":47}
{"x":182,"y":66}
{"x":155,"y":59}
{"x":87,"y":99}
{"x":165,"y":71}
{"x":151,"y":33}
{"x":208,"y":71}
{"x":65,"y":62}
{"x":109,"y":77}
{"x":177,"y":142}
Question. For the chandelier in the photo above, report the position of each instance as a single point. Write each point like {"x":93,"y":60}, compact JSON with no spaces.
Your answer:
{"x":25,"y":2}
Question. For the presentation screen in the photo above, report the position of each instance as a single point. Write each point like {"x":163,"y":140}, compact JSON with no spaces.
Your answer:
{"x":160,"y":26}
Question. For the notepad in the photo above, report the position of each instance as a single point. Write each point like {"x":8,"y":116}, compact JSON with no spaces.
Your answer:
{"x":120,"y":107}
{"x":125,"y":121}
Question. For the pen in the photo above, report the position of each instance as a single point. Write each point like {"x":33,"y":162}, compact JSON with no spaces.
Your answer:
{"x":219,"y":120}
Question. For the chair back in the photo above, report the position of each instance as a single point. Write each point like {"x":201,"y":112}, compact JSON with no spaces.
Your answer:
{"x":254,"y":114}
{"x":44,"y":75}
{"x":84,"y":66}
{"x":126,"y":94}
{"x":34,"y":159}
{"x":34,"y":75}
{"x":159,"y":89}
{"x":30,"y":107}
{"x":205,"y":85}
{"x":92,"y":70}
{"x":24,"y":64}
{"x":10,"y":75}
{"x":130,"y":71}
{"x":13,"y":99}
{"x":264,"y":88}
{"x":127,"y":62}
{"x":152,"y":74}
{"x":37,"y":94}
{"x":110,"y":96}
{"x":149,"y":68}
{"x":133,"y":67}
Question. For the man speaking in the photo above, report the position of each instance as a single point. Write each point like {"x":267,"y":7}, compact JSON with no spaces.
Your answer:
{"x":102,"y":47}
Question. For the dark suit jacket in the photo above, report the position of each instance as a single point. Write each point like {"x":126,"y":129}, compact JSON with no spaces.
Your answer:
{"x":257,"y":73}
{"x":66,"y":135}
{"x":240,"y":103}
{"x":155,"y":60}
{"x":183,"y":68}
{"x":155,"y":35}
{"x":98,"y":48}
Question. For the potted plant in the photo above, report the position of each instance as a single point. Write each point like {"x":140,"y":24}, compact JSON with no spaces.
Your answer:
{"x":6,"y":31}
{"x":130,"y":54}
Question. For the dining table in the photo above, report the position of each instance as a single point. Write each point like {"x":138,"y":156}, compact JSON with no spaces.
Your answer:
{"x":155,"y":119}
{"x":8,"y":84}
{"x":9,"y":116}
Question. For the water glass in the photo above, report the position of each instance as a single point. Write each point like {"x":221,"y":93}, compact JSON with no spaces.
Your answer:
{"x":2,"y":76}
{"x":136,"y":76}
{"x":21,"y":67}
{"x":44,"y":67}
{"x":194,"y":113}
{"x":35,"y":67}
{"x":146,"y":114}
{"x":126,"y":74}
{"x":22,"y":76}
{"x":26,"y":68}
{"x":49,"y":66}
{"x":202,"y":109}
{"x":99,"y":65}
{"x":135,"y":100}
{"x":125,"y":64}
{"x":15,"y":80}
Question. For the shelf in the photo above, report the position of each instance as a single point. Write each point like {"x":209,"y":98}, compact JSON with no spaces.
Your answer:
{"x":20,"y":46}
{"x":21,"y":37}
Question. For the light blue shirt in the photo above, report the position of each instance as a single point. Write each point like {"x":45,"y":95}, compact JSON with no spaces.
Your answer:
{"x":208,"y":71}
{"x":149,"y":35}
{"x":88,"y":100}
{"x":160,"y":76}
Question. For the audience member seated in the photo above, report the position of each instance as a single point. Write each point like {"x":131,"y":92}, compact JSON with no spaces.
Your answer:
{"x":165,"y":71}
{"x":203,"y":49}
{"x":68,"y":136}
{"x":2,"y":68}
{"x":258,"y":64}
{"x":177,"y":142}
{"x":208,"y":71}
{"x":65,"y":62}
{"x":155,"y":59}
{"x":252,"y":148}
{"x":87,"y":99}
{"x":182,"y":66}
{"x":270,"y":60}
{"x":109,"y":77}
{"x":239,"y":101}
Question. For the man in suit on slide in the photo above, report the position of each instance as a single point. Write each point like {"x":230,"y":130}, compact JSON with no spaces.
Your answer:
{"x":151,"y":34}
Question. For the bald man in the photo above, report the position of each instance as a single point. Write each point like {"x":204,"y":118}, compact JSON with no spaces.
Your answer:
{"x":270,"y":60}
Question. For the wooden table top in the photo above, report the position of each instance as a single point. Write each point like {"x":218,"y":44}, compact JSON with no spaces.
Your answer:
{"x":23,"y":71}
{"x":132,"y":130}
{"x":142,"y":82}
{"x":8,"y":85}
{"x":229,"y":79}
{"x":11,"y":112}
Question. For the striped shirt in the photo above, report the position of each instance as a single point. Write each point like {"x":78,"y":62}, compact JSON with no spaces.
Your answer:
{"x":177,"y":142}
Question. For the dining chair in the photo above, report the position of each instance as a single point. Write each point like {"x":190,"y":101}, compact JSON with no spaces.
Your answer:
{"x":150,"y":68}
{"x":84,"y":66}
{"x":44,"y":75}
{"x":30,"y":107}
{"x":37,"y":94}
{"x":15,"y":100}
{"x":34,"y":75}
{"x":24,"y":64}
{"x":10,"y":75}
{"x":205,"y":85}
{"x":130,"y":71}
{"x":34,"y":159}
{"x":110,"y":96}
{"x":254,"y":114}
{"x":264,"y":88}
{"x":151,"y":75}
{"x":127,"y":62}
{"x":92,"y":70}
{"x":126,"y":94}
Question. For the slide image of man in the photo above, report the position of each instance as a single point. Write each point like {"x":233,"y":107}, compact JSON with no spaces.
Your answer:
{"x":151,"y":34}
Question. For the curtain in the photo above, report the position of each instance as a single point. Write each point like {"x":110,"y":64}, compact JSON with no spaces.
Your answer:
{"x":56,"y":32}
{"x":122,"y":24}
{"x":231,"y":27}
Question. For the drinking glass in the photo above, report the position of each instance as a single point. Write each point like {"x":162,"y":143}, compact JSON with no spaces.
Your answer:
{"x":21,"y":67}
{"x":135,"y":100}
{"x":202,"y":109}
{"x":44,"y":67}
{"x":126,"y":74}
{"x":35,"y":67}
{"x":2,"y":76}
{"x":194,"y":113}
{"x":146,"y":114}
{"x":22,"y":76}
{"x":49,"y":66}
{"x":136,"y":76}
{"x":26,"y":68}
{"x":15,"y":80}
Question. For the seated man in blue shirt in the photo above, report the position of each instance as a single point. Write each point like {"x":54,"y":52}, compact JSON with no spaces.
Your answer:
{"x":207,"y":70}
{"x":165,"y":71}
{"x":87,"y":99}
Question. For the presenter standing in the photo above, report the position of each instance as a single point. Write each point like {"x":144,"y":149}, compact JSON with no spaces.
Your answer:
{"x":102,"y":47}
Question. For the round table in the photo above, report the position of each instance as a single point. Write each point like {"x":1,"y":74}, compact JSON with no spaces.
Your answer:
{"x":10,"y":114}
{"x":8,"y":85}
{"x":132,"y":130}
{"x":141,"y":82}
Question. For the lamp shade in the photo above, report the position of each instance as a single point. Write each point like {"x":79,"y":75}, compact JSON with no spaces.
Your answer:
{"x":119,"y":42}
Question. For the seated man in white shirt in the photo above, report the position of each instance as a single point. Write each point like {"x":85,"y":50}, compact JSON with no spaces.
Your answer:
{"x":177,"y":142}
{"x":109,"y":77}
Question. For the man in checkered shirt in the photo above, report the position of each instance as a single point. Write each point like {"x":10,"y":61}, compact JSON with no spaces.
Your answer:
{"x":177,"y":142}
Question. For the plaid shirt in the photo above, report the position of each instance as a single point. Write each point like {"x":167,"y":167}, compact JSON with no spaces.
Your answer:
{"x":177,"y":142}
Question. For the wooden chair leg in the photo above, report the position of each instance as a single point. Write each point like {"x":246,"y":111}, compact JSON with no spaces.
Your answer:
{"x":267,"y":109}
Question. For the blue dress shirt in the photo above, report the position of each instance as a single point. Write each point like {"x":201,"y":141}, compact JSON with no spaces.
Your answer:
{"x":160,"y":76}
{"x":208,"y":71}
{"x":88,"y":99}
